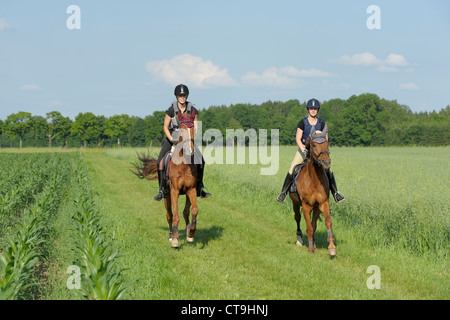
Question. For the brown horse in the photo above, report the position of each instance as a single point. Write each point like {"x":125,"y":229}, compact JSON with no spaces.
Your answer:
{"x":314,"y":191}
{"x":182,"y":180}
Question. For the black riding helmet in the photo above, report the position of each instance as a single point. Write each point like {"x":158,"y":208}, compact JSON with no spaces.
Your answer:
{"x":313,"y":103}
{"x":181,"y":89}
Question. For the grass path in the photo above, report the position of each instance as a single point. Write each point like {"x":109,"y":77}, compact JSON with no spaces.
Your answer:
{"x":239,"y":253}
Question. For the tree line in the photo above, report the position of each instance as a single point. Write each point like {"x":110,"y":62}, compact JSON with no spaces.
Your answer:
{"x":361,"y":120}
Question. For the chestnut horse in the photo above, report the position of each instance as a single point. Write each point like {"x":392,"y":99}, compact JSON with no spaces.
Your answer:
{"x":182,"y":180}
{"x":314,"y":191}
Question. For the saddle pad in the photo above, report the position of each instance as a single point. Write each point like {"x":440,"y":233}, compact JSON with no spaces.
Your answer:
{"x":295,"y":175}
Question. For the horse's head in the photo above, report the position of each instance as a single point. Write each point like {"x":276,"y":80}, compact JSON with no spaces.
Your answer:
{"x":318,"y":148}
{"x":186,"y":138}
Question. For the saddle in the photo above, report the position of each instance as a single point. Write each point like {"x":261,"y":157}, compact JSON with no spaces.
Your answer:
{"x":164,"y":164}
{"x":295,"y":175}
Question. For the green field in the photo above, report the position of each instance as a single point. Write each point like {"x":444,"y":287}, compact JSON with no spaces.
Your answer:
{"x":396,"y":217}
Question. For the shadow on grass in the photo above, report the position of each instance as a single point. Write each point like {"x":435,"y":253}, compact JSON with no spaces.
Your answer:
{"x":202,"y":236}
{"x":321,"y":240}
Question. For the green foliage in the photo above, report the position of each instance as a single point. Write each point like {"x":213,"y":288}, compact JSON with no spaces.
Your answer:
{"x":17,"y":124}
{"x":117,"y":126}
{"x":23,"y":249}
{"x":97,"y":258}
{"x":360,"y":120}
{"x":56,"y":125}
{"x":86,"y":126}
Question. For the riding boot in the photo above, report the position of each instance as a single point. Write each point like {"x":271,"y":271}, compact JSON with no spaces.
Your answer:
{"x":200,"y":192}
{"x":287,"y":183}
{"x":162,"y":192}
{"x":338,"y":197}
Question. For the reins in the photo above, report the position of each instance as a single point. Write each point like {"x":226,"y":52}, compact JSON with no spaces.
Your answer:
{"x":313,"y":159}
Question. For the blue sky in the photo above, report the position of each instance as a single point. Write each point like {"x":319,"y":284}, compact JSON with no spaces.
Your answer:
{"x":127,"y":56}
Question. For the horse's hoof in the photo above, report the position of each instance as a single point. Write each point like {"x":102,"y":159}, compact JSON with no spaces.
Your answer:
{"x":175,"y":244}
{"x":311,"y":250}
{"x":332,"y":252}
{"x":189,"y":239}
{"x":300,"y":244}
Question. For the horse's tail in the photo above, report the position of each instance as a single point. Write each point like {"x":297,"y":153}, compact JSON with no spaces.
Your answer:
{"x":146,"y":167}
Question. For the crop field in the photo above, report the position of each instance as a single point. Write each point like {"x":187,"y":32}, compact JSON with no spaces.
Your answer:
{"x":78,"y":224}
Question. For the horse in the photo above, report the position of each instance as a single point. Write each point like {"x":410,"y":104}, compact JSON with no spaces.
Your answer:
{"x":182,"y":172}
{"x":313,"y":191}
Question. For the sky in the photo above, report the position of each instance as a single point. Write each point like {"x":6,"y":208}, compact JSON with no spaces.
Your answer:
{"x":126,"y":57}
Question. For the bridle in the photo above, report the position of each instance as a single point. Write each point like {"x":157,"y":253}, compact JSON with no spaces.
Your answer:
{"x":316,"y":160}
{"x":182,"y":142}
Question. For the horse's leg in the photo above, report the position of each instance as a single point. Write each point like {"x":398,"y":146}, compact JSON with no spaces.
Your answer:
{"x":325,"y":208}
{"x":186,"y":212}
{"x":168,"y":205}
{"x":309,"y":229}
{"x":316,"y":215}
{"x":174,"y":194}
{"x":192,"y":194}
{"x":298,"y":217}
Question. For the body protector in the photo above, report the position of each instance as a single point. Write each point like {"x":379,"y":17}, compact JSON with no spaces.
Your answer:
{"x":178,"y":118}
{"x":308,"y":128}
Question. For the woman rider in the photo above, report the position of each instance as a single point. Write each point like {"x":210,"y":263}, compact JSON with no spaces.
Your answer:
{"x":303,"y":131}
{"x":170,"y":130}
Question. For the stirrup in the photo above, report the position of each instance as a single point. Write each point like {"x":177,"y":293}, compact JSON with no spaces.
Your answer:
{"x":202,"y":193}
{"x":281,"y":197}
{"x":159,"y":196}
{"x":338,"y":197}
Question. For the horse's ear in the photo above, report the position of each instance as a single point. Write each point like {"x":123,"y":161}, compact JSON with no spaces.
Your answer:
{"x":308,"y":143}
{"x":313,"y":130}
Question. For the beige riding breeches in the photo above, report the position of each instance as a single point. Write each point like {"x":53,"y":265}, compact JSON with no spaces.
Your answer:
{"x":298,"y":158}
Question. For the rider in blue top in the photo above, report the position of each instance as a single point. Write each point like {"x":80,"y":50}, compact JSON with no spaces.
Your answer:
{"x":303,"y":131}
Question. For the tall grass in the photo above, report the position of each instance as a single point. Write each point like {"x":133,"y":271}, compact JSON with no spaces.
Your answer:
{"x":397,"y":197}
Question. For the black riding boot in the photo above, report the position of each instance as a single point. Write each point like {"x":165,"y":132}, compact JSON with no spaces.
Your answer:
{"x":200,"y":192}
{"x":162,"y":192}
{"x":287,"y":183}
{"x":338,"y":197}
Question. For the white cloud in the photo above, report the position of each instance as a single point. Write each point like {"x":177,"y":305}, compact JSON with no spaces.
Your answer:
{"x":289,"y":77}
{"x":389,"y":64}
{"x":361,"y":59}
{"x":396,"y":60}
{"x":30,"y":87}
{"x":191,"y":70}
{"x":408,"y":86}
{"x":4,"y":25}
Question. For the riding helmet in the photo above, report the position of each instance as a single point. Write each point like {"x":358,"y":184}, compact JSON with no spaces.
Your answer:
{"x":313,"y":103}
{"x":181,"y":89}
